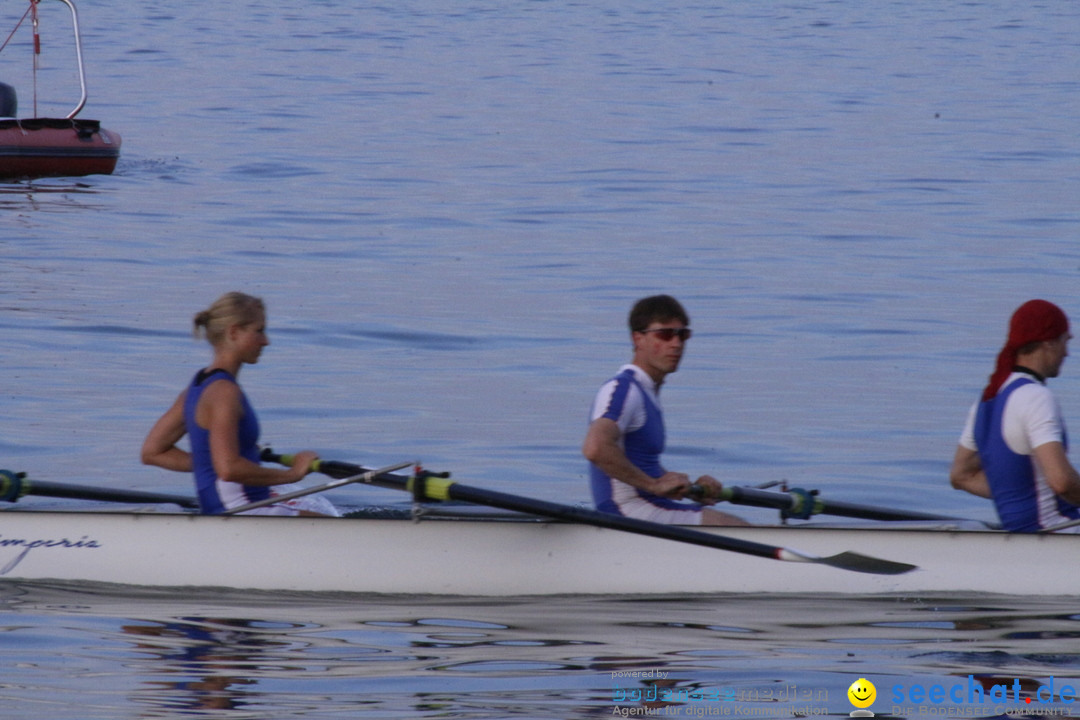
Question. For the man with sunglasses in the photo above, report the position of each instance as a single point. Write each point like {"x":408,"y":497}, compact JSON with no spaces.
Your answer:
{"x":626,"y":429}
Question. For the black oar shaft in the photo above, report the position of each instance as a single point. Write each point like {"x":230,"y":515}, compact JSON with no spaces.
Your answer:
{"x":84,"y":492}
{"x":867,"y":512}
{"x":607,"y":520}
{"x":790,"y":502}
{"x":439,"y":488}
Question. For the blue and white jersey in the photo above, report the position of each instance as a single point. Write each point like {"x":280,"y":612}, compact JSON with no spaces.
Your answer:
{"x":216,"y":495}
{"x":1005,"y":430}
{"x":630,"y":399}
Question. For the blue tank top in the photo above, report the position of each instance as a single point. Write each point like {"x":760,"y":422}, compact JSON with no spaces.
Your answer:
{"x":210,"y":502}
{"x":1011,"y":475}
{"x":643,"y":447}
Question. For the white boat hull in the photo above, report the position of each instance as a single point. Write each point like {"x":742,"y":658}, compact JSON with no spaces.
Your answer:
{"x":501,"y":558}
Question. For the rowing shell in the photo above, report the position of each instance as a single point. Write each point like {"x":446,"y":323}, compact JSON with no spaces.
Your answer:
{"x":499,"y":557}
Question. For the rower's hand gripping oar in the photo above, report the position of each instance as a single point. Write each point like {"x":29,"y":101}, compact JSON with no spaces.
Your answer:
{"x":801,"y":504}
{"x":16,"y":485}
{"x":425,"y":486}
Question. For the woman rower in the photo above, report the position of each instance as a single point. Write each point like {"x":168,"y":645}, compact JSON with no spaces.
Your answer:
{"x":223,"y":430}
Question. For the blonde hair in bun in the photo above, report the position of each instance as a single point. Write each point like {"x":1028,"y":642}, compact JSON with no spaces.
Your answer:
{"x":232,"y":308}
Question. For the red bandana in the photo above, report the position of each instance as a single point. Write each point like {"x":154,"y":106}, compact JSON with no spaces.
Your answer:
{"x":1034,"y":321}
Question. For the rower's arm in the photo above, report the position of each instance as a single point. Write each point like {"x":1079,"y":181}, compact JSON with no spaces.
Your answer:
{"x":602,"y":448}
{"x":221,"y":405}
{"x":967,"y":473}
{"x":160,"y":448}
{"x":1060,"y":475}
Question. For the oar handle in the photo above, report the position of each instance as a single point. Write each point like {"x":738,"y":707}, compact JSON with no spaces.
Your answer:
{"x":423,"y":484}
{"x":268,"y":455}
{"x":795,"y":503}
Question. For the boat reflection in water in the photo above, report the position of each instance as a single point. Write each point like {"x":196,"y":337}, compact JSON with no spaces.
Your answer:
{"x":323,"y":655}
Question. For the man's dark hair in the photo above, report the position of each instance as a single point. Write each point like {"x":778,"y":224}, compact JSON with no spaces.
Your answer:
{"x":657,"y":308}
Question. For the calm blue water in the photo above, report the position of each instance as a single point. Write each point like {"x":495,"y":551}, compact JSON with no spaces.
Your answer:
{"x":72,"y":654}
{"x":449,"y":208}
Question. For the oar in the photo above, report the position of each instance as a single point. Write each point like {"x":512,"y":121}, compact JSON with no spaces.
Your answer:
{"x":365,"y":476}
{"x":16,"y":485}
{"x":424,"y":486}
{"x":802,"y":504}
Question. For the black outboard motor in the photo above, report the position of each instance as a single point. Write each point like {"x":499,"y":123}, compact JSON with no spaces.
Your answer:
{"x":9,"y":105}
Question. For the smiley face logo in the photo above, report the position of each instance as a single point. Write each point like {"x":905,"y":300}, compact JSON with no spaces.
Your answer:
{"x":862,"y":693}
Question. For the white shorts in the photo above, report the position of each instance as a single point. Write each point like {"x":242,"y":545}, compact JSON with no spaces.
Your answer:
{"x":644,"y":510}
{"x":291,"y":508}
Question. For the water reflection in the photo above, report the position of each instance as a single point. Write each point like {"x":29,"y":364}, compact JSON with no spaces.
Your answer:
{"x":53,"y":196}
{"x":216,"y":661}
{"x":272,"y":655}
